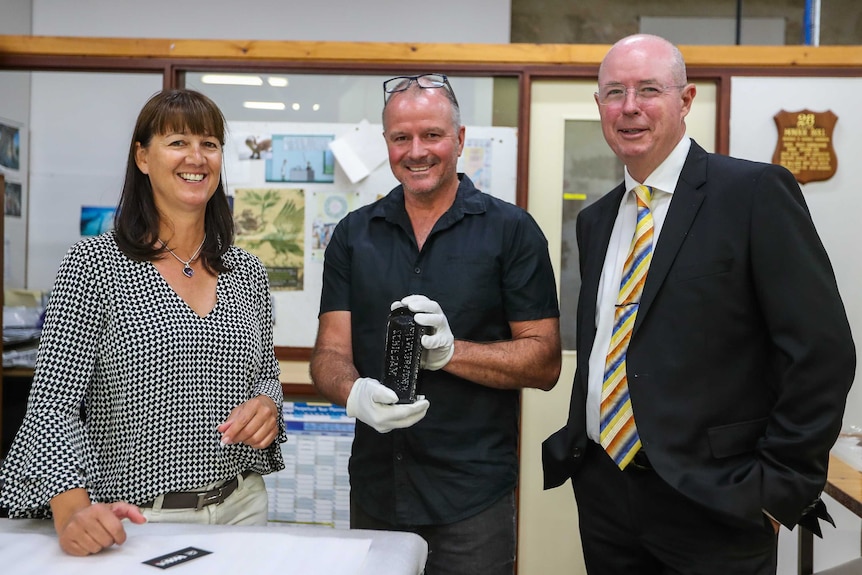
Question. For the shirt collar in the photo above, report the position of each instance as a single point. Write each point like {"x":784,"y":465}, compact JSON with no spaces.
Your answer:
{"x":468,"y":200}
{"x":666,"y":175}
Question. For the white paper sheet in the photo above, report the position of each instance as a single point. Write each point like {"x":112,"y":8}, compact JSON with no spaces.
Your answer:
{"x":231,"y":553}
{"x":359,"y":152}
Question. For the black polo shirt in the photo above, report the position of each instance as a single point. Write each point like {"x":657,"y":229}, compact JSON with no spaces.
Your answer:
{"x":486,"y":263}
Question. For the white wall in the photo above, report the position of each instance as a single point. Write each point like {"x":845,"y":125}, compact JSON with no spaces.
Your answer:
{"x":15,"y":16}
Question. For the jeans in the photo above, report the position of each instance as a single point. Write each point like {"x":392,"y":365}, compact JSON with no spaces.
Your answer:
{"x":483,"y":544}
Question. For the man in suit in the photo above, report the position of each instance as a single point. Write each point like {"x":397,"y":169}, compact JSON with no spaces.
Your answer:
{"x":738,"y":356}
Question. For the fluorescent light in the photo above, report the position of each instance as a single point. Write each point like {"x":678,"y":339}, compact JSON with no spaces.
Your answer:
{"x":264,"y":105}
{"x":277,"y":81}
{"x":232,"y":79}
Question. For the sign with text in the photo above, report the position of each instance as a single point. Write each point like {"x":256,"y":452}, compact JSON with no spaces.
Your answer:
{"x":805,"y":144}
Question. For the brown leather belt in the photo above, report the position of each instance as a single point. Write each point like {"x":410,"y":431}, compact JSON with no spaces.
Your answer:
{"x":197,"y":500}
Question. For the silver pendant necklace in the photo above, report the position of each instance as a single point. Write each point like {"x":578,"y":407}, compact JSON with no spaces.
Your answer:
{"x":187,"y":268}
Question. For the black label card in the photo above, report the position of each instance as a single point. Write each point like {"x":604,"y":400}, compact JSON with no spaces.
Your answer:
{"x":177,"y":557}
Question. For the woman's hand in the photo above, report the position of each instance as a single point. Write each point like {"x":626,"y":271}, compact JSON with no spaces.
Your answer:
{"x":254,"y":423}
{"x":85,"y":528}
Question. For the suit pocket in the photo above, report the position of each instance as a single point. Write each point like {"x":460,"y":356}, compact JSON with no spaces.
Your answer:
{"x":735,"y":438}
{"x":701,"y":269}
{"x":561,"y":458}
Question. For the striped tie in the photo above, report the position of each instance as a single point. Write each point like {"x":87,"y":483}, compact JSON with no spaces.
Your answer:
{"x":618,"y":433}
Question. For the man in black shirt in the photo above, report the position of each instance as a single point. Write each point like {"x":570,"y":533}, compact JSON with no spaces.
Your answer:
{"x":477,"y":270}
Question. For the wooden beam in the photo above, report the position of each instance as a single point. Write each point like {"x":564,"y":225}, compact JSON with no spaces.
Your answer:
{"x":401,"y":52}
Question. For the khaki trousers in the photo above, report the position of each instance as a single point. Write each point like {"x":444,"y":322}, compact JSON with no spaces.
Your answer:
{"x":247,"y":505}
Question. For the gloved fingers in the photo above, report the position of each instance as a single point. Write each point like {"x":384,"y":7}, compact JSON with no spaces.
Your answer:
{"x":434,"y":359}
{"x":375,"y":404}
{"x":436,"y":341}
{"x":421,"y":304}
{"x":409,"y":413}
{"x":383,"y":395}
{"x":365,"y":393}
{"x":395,"y":305}
{"x":435,"y":320}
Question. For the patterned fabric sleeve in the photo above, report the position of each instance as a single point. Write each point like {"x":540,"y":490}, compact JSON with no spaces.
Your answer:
{"x":47,"y":456}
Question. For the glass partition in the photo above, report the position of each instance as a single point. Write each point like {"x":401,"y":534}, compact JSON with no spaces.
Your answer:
{"x":303,"y":97}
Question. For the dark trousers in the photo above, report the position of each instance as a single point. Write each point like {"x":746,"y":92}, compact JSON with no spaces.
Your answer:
{"x":483,"y":544}
{"x":631,"y":522}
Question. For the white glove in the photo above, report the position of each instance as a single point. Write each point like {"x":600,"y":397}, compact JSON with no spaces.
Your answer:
{"x":375,"y":404}
{"x":440,"y":345}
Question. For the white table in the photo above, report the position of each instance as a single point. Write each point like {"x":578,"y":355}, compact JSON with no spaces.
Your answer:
{"x":30,"y":546}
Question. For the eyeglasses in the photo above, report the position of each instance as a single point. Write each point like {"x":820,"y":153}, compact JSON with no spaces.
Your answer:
{"x":401,"y":83}
{"x":615,"y":94}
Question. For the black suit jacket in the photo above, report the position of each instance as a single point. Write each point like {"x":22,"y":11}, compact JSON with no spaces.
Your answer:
{"x":741,"y":356}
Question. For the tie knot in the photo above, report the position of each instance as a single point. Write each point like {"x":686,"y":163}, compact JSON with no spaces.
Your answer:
{"x":644,"y":195}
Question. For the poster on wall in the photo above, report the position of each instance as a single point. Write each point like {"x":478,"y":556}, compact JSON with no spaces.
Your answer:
{"x":301,"y":158}
{"x":270,"y":223}
{"x":96,"y":220}
{"x":475,"y":161}
{"x":259,"y":148}
{"x":329,"y":208}
{"x":10,"y":145}
{"x":12,"y":199}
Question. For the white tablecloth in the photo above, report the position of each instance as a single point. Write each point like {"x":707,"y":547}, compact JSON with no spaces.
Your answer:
{"x":30,"y":547}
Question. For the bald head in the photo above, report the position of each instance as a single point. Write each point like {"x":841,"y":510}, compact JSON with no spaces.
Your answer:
{"x":652,"y":47}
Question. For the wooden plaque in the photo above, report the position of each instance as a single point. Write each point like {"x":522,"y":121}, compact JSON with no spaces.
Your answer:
{"x":805,"y":144}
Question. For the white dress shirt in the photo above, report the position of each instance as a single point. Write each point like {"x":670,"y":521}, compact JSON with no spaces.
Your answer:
{"x":663,"y":180}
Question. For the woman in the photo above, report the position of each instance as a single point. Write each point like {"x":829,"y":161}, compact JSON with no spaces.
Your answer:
{"x":156,"y":393}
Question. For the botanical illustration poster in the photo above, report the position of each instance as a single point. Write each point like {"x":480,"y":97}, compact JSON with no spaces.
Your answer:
{"x":270,"y":223}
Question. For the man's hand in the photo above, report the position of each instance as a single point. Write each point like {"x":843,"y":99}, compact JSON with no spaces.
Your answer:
{"x":97,"y":527}
{"x":440,"y":345}
{"x":254,"y":423}
{"x":375,"y":404}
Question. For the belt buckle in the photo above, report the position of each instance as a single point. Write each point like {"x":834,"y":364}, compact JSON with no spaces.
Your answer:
{"x":209,"y":497}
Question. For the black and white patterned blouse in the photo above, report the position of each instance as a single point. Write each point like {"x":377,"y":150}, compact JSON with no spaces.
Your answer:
{"x":130,"y":383}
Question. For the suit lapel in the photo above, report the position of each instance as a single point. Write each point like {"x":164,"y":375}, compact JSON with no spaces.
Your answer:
{"x":685,"y":203}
